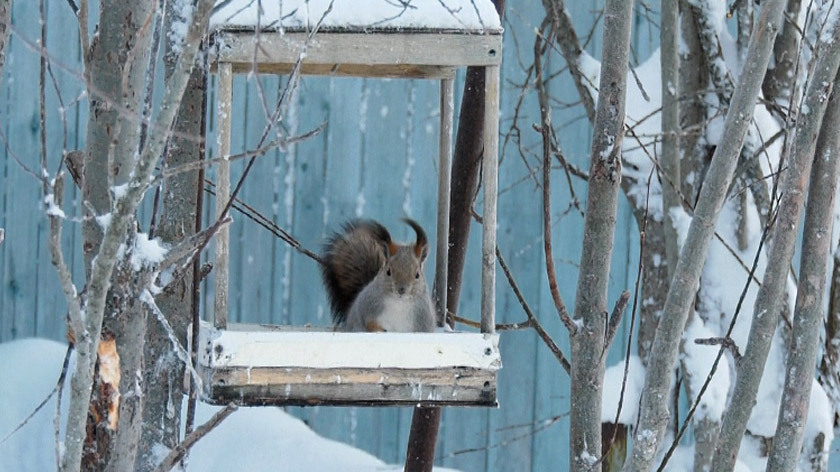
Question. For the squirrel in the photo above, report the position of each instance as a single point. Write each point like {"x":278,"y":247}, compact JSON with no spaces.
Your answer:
{"x":374,"y":284}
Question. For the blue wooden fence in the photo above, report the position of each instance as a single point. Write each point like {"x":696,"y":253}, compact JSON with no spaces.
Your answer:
{"x":376,"y":158}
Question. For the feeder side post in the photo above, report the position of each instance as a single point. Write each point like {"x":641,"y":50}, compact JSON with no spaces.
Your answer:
{"x":224,"y":99}
{"x":490,"y":181}
{"x":447,"y":106}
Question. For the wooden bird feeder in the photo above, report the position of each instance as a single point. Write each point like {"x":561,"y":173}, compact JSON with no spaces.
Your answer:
{"x":282,"y":365}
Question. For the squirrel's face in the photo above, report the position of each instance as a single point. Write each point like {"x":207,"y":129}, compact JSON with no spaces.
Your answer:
{"x":403,"y":273}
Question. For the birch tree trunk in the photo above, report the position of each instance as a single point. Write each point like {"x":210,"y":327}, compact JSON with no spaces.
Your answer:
{"x":587,"y":343}
{"x":108,"y":161}
{"x":808,"y":314}
{"x":112,"y":36}
{"x":127,"y":322}
{"x":769,"y":299}
{"x":179,"y":219}
{"x":653,"y":409}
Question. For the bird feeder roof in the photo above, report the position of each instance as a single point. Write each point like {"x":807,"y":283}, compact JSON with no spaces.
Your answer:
{"x":459,"y":16}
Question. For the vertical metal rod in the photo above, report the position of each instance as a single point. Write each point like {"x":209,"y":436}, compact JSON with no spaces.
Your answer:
{"x":490,"y":181}
{"x":224,"y":99}
{"x":447,"y":110}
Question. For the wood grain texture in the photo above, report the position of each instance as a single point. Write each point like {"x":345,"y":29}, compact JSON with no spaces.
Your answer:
{"x":374,"y":49}
{"x":350,"y":387}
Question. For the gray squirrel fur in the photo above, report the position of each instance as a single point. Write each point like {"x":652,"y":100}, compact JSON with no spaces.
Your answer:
{"x":374,"y":284}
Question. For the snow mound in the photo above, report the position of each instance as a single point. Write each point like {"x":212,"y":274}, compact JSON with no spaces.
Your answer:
{"x":613,"y":377}
{"x":252,"y":439}
{"x":698,"y":360}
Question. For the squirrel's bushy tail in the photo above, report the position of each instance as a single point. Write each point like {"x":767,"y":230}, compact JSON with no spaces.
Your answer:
{"x":351,"y":259}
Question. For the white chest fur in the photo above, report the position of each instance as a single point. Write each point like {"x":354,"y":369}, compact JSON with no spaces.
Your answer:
{"x":397,"y":315}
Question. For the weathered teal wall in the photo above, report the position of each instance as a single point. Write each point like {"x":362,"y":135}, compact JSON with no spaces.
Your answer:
{"x":376,"y":157}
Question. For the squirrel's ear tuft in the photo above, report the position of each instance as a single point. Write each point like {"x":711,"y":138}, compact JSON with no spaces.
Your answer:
{"x":421,"y":245}
{"x":422,"y":252}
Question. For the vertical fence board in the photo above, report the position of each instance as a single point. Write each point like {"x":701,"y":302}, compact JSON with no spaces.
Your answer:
{"x":24,"y":208}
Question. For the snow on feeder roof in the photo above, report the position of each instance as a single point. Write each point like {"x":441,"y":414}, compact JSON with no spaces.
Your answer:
{"x":476,"y":16}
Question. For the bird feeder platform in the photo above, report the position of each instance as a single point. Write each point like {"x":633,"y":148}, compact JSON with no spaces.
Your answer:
{"x":264,"y":365}
{"x":281,"y":365}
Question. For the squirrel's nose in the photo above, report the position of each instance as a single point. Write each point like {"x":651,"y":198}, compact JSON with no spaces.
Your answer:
{"x":401,"y":290}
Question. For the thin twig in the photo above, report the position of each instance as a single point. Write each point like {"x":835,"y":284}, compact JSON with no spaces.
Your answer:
{"x":725,"y":342}
{"x":57,"y":417}
{"x":552,"y":346}
{"x":168,"y":172}
{"x":92,"y":91}
{"x":149,"y":300}
{"x":498,"y":326}
{"x":532,"y":321}
{"x":615,"y":319}
{"x":545,"y":124}
{"x":178,"y":451}
{"x":272,"y":227}
{"x":282,"y":103}
{"x":58,"y":384}
{"x":687,"y":204}
{"x":42,"y":91}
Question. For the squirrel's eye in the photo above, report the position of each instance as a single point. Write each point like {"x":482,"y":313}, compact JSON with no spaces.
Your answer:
{"x":417,"y":275}
{"x":388,"y":272}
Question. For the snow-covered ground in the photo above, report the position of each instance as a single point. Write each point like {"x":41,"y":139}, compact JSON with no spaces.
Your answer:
{"x":252,"y":439}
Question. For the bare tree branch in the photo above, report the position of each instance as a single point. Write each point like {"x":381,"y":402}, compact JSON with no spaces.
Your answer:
{"x":569,"y":44}
{"x":654,"y":414}
{"x":808,"y":318}
{"x":615,"y":319}
{"x":532,"y":319}
{"x":799,"y":158}
{"x":545,"y":119}
{"x":725,"y":342}
{"x":181,"y":449}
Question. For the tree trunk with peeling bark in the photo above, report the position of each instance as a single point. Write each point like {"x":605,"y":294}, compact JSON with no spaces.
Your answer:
{"x":115,"y":97}
{"x":179,"y":219}
{"x":112,"y":129}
